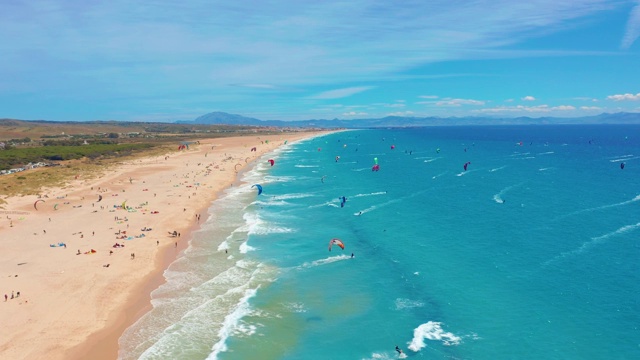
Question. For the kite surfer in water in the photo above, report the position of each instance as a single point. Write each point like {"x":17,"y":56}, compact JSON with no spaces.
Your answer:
{"x":398,"y":350}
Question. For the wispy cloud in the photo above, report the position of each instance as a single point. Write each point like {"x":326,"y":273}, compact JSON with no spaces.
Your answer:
{"x":624,"y":97}
{"x":458,"y":102}
{"x":401,"y":113}
{"x":584,"y":98}
{"x":354,"y":113}
{"x":528,"y":98}
{"x":341,"y":93}
{"x":165,"y":51}
{"x":632,"y":31}
{"x":526,"y":109}
{"x":591,"y":108}
{"x":256,"y":86}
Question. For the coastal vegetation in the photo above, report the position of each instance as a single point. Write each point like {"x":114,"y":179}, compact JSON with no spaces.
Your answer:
{"x":37,"y":154}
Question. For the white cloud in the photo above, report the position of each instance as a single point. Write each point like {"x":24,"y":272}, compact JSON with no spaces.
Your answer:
{"x":563,"y":108}
{"x":341,"y":93}
{"x":590,"y":108}
{"x":106,"y":50}
{"x":632,"y":31}
{"x":458,"y":102}
{"x":428,"y":96}
{"x":396,"y":105}
{"x":509,"y":100}
{"x":354,"y":113}
{"x":624,"y":97}
{"x":401,"y":113}
{"x":528,"y":98}
{"x":526,"y":109}
{"x":584,"y":98}
{"x":256,"y":86}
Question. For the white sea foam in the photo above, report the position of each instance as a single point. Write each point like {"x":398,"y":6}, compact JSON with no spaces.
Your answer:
{"x":636,"y":198}
{"x":496,"y":169}
{"x":295,"y":307}
{"x":331,"y":203}
{"x":620,"y":157}
{"x":602,"y":238}
{"x":519,"y":154}
{"x":270,"y":203}
{"x":245,"y":329}
{"x":231,"y":322}
{"x":255,"y":225}
{"x":244,"y":248}
{"x":431,"y":160}
{"x":198,"y":311}
{"x":380,"y":356}
{"x":223,"y":246}
{"x":292,"y":196}
{"x":328,"y":260}
{"x":368,"y":194}
{"x":437,"y":176}
{"x":401,"y":304}
{"x":467,"y":172}
{"x":624,"y":159}
{"x":432,"y":331}
{"x":498,"y":197}
{"x":595,"y":241}
{"x":547,"y":153}
{"x":306,"y":166}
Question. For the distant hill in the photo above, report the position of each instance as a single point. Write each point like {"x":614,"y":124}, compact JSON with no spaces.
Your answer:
{"x":218,"y":118}
{"x":399,"y":121}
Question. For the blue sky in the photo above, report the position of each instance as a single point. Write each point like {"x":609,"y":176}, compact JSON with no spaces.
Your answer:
{"x":166,"y":60}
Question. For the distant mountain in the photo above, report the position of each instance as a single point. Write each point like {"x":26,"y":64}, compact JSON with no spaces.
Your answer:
{"x":219,"y":118}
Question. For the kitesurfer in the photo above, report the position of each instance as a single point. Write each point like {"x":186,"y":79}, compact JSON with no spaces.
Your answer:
{"x":342,"y":201}
{"x":621,"y":165}
{"x":398,"y":350}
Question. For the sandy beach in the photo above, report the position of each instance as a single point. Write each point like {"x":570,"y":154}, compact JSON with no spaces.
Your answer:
{"x":78,"y":263}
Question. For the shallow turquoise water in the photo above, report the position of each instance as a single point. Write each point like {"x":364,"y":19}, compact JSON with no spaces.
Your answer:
{"x":530,"y":253}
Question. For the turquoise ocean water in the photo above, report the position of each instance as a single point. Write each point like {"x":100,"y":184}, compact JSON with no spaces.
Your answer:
{"x":533,"y":252}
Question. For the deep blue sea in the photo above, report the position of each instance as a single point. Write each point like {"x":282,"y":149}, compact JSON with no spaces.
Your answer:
{"x":532,"y":252}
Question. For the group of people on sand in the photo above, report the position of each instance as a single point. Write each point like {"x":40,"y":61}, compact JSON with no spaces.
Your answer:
{"x":13,"y":296}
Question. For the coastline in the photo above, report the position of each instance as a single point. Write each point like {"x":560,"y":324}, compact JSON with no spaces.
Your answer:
{"x":99,"y":295}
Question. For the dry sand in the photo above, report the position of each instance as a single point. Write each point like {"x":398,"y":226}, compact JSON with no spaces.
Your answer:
{"x":75,"y":306}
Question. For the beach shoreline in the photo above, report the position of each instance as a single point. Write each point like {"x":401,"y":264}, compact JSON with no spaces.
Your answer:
{"x":100,"y":295}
